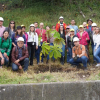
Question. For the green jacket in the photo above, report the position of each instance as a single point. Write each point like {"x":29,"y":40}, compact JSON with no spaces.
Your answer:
{"x":5,"y":46}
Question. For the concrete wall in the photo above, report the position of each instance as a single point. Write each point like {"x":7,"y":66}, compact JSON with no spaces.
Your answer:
{"x":52,"y":91}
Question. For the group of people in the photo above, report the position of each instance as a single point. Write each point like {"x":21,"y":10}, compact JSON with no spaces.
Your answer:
{"x":18,"y":47}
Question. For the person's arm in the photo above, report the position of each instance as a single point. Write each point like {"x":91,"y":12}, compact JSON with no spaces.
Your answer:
{"x":87,"y":36}
{"x":76,"y":29}
{"x":10,"y":46}
{"x":1,"y":50}
{"x":73,"y":52}
{"x":13,"y":38}
{"x":45,"y":37}
{"x":24,"y":39}
{"x":67,"y":42}
{"x":83,"y":51}
{"x":98,"y":43}
{"x":36,"y":41}
{"x":1,"y":56}
{"x":25,"y":56}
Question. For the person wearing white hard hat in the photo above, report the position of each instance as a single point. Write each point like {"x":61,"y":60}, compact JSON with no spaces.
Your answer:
{"x":79,"y":54}
{"x":32,"y":42}
{"x":41,"y":33}
{"x":60,"y":23}
{"x":2,"y":28}
{"x":96,"y":41}
{"x":73,"y":26}
{"x":94,"y":26}
{"x":20,"y":56}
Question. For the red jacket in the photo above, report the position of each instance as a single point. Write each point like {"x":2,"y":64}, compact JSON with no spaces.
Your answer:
{"x":58,"y":26}
{"x":43,"y":35}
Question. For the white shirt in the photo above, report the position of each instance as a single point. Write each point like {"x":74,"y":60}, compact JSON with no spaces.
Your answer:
{"x":96,"y":40}
{"x":33,"y":37}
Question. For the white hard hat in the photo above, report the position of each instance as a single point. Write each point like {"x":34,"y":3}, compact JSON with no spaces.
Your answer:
{"x":94,"y":24}
{"x":32,"y":25}
{"x":1,"y":19}
{"x":61,"y":17}
{"x":75,"y":39}
{"x":20,"y":39}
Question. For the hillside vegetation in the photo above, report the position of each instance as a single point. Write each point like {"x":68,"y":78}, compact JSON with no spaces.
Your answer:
{"x":48,"y":11}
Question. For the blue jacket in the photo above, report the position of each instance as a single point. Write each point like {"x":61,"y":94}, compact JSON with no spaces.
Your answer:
{"x":14,"y":39}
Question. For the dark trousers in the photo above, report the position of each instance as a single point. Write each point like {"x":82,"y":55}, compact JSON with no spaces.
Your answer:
{"x":24,"y":62}
{"x":31,"y":49}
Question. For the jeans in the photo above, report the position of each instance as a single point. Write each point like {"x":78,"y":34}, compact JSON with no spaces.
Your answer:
{"x":82,"y":60}
{"x":24,"y":62}
{"x":97,"y":54}
{"x":6,"y":61}
{"x":63,"y":50}
{"x":38,"y":53}
{"x":48,"y":54}
{"x":92,"y":45}
{"x":69,"y":54}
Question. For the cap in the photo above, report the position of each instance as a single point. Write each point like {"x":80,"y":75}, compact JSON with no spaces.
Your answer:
{"x":61,"y":17}
{"x":32,"y":25}
{"x":89,"y":20}
{"x":68,"y":27}
{"x":1,"y":19}
{"x":75,"y":39}
{"x":22,"y":25}
{"x":72,"y":30}
{"x":19,"y":27}
{"x":20,"y":39}
{"x":80,"y":26}
{"x":94,"y":24}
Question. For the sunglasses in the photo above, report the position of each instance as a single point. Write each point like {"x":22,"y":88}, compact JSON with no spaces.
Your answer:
{"x":12,"y":23}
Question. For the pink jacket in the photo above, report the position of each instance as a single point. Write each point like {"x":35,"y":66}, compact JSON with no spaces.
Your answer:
{"x":84,"y":38}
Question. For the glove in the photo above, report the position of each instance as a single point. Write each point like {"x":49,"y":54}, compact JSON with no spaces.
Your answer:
{"x":75,"y":58}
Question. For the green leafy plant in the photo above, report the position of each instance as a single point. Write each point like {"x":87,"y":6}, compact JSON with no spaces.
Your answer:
{"x":54,"y":50}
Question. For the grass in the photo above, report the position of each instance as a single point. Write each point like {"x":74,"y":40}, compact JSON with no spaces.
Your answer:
{"x":7,"y":76}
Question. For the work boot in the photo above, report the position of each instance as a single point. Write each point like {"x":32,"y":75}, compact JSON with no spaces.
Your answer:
{"x":63,"y":58}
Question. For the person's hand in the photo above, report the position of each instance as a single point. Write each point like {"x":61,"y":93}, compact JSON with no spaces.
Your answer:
{"x":5,"y":55}
{"x":79,"y":56}
{"x":14,"y":45}
{"x":67,"y":50}
{"x":86,"y":38}
{"x":2,"y":61}
{"x":20,"y":67}
{"x":36,"y":47}
{"x":17,"y":61}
